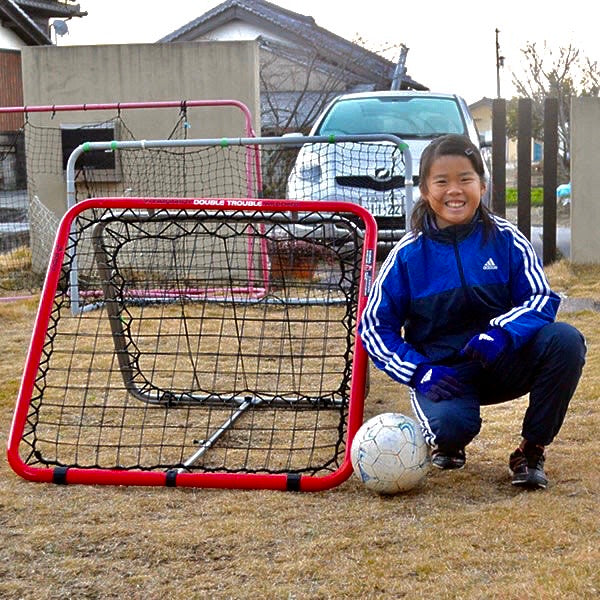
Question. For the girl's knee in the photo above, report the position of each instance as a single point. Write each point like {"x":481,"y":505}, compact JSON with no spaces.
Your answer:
{"x":454,"y":428}
{"x":564,"y":340}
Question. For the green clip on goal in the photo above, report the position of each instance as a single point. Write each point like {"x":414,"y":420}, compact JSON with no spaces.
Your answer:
{"x":214,"y":345}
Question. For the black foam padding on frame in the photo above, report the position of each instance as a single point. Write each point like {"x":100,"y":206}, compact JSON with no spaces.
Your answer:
{"x":171,"y":480}
{"x":293,"y":482}
{"x":59,"y":475}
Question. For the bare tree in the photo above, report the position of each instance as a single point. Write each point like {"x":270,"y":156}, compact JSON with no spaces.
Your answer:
{"x":549,"y":73}
{"x":296,"y":86}
{"x":298,"y":82}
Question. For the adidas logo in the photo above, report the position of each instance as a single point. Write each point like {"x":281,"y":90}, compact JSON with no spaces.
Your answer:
{"x":490,"y":265}
{"x":484,"y":337}
{"x":427,"y":376}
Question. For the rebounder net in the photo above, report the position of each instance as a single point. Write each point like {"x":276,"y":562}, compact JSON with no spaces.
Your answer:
{"x":213,"y":344}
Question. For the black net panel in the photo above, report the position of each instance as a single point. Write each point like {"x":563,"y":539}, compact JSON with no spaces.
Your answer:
{"x":208,"y":341}
{"x":27,"y":223}
{"x":15,"y":257}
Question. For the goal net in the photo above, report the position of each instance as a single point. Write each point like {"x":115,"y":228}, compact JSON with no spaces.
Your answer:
{"x":33,"y":163}
{"x":214,"y":345}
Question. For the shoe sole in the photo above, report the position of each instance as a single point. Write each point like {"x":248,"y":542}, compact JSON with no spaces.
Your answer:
{"x":531,"y":483}
{"x":449,"y":467}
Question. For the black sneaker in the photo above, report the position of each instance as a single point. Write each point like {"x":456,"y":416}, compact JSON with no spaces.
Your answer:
{"x":448,"y":459}
{"x":527,"y":467}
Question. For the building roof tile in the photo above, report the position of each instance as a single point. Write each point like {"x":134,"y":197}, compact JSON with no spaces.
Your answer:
{"x":302,"y":28}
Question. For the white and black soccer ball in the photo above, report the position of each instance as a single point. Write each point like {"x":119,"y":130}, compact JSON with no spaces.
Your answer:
{"x":389,"y":454}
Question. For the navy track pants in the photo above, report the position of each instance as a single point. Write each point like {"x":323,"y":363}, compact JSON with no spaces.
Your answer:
{"x":548,"y":367}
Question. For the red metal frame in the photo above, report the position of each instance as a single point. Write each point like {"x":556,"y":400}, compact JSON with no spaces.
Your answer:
{"x":213,"y":480}
{"x":135,"y":105}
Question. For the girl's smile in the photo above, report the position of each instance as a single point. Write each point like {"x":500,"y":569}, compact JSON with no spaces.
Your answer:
{"x":453,"y":190}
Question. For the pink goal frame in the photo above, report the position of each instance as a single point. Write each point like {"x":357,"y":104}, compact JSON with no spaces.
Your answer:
{"x":253,"y":163}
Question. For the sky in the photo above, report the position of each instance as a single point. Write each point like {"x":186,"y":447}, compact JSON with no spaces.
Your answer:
{"x":451,"y":45}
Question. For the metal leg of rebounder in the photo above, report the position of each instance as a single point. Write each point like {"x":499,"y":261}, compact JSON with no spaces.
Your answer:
{"x":210,"y":442}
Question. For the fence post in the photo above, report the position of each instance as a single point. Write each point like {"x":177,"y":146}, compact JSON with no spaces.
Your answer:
{"x":499,"y":156}
{"x":550,"y":178}
{"x":524,"y":167}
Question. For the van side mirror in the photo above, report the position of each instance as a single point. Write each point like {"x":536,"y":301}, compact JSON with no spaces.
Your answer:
{"x":485,"y":139}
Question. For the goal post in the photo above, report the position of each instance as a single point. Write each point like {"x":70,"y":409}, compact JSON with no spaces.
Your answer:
{"x":33,"y":162}
{"x":212,"y":163}
{"x":215,"y":346}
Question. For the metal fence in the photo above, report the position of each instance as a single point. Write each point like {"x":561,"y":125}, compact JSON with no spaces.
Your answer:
{"x":550,"y":169}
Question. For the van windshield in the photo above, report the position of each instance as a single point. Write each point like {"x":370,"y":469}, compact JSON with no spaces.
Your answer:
{"x":405,"y":117}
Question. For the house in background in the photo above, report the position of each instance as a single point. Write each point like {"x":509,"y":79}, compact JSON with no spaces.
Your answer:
{"x":22,"y":23}
{"x":482,"y":115}
{"x":27,"y":22}
{"x":303,"y":66}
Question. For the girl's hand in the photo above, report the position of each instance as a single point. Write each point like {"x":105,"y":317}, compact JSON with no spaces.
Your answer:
{"x":487,"y":347}
{"x":436,"y":382}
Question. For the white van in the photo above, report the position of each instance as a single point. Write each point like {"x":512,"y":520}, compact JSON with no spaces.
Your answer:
{"x":372,"y":174}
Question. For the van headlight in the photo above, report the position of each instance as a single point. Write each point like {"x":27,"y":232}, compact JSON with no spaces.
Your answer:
{"x":311,"y":172}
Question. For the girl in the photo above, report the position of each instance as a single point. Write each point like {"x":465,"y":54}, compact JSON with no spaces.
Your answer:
{"x":463,"y":314}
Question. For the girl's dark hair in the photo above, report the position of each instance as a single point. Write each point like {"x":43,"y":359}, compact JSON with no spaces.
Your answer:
{"x":448,"y":145}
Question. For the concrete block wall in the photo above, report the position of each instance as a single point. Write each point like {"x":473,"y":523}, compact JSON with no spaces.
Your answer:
{"x":585,"y":180}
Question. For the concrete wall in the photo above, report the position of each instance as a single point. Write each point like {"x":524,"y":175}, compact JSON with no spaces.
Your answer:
{"x":585,"y":180}
{"x":131,"y":73}
{"x":135,"y":73}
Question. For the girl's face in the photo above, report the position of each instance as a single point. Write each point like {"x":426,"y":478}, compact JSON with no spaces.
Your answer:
{"x":453,"y":189}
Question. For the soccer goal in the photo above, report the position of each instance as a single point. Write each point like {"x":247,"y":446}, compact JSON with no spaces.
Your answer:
{"x":215,"y":345}
{"x":229,"y":158}
{"x":33,"y":161}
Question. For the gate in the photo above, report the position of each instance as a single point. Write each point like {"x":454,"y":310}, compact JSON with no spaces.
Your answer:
{"x":550,"y":140}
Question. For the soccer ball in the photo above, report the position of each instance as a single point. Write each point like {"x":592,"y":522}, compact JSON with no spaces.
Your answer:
{"x":389,"y":454}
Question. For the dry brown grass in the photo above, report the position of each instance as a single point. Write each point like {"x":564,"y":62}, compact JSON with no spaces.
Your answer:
{"x":578,"y":281}
{"x":16,"y":277}
{"x":461,"y":535}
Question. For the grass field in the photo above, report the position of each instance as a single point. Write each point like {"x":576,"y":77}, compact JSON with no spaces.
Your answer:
{"x":461,"y":535}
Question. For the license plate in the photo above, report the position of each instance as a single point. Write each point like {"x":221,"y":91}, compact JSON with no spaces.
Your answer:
{"x":381,"y":208}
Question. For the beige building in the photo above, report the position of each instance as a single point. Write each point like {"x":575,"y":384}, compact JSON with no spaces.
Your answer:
{"x":482,"y":114}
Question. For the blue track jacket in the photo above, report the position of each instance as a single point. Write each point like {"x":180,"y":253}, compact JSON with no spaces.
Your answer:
{"x":438,"y":289}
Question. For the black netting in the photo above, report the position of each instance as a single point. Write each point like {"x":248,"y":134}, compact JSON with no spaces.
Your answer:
{"x":210,"y":341}
{"x":33,"y":197}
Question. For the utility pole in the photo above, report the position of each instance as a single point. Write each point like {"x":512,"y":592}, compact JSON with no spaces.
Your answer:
{"x":400,"y":70}
{"x":499,"y":63}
